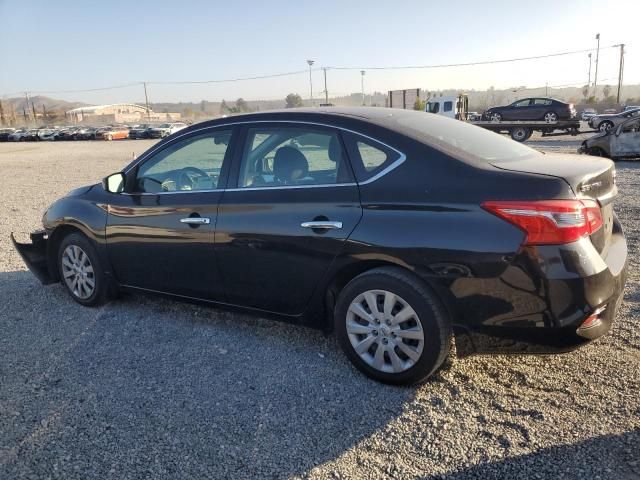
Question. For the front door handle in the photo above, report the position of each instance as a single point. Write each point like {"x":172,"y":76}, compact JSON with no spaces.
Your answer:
{"x":196,"y":220}
{"x":322,"y":224}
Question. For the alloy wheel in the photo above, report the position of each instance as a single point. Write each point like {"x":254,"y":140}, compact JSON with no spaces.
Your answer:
{"x":550,"y":117}
{"x":385,"y":331}
{"x":77,"y":272}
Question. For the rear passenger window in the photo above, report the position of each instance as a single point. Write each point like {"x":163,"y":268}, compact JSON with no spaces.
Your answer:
{"x":369,"y":158}
{"x":448,"y":106}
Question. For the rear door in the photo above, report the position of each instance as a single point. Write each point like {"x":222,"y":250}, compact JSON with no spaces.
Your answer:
{"x":293,"y":205}
{"x":160,"y":231}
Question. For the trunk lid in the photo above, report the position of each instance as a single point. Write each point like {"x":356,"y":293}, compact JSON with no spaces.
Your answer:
{"x":589,"y":178}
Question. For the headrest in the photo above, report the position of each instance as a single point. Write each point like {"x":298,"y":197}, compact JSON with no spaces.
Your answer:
{"x":289,"y":164}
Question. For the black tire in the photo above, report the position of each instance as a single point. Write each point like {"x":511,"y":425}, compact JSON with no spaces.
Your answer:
{"x":520,"y":134}
{"x":100,"y":292}
{"x":432,"y":316}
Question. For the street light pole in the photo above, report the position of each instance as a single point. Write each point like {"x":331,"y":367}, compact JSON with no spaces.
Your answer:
{"x":310,"y":63}
{"x":589,"y":81}
{"x":326,"y":91}
{"x":595,"y":78}
{"x":146,"y":101}
{"x":362,"y":72}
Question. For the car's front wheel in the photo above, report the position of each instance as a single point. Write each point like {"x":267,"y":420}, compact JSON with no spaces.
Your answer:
{"x":495,"y":117}
{"x":605,"y":126}
{"x":392,"y":327}
{"x":80,"y":270}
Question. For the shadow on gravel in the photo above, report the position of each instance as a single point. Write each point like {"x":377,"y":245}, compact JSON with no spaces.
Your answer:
{"x":605,"y":457}
{"x":150,"y":388}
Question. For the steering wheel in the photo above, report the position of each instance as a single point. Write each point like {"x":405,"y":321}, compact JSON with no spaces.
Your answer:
{"x":186,"y":181}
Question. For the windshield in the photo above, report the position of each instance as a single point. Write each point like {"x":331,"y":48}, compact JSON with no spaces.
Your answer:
{"x":457,"y":137}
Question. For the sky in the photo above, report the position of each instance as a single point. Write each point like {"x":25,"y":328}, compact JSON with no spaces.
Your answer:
{"x":57,"y":46}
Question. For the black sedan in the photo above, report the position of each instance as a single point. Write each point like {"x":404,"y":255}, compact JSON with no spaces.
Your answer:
{"x":396,"y":229}
{"x":533,"y":109}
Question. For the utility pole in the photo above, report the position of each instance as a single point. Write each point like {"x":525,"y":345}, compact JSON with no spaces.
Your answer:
{"x":146,"y":101}
{"x":35,"y":117}
{"x":620,"y":71}
{"x":546,"y":89}
{"x":310,"y":63}
{"x":362,"y":72}
{"x":589,"y":81}
{"x":595,"y":78}
{"x":326,"y":92}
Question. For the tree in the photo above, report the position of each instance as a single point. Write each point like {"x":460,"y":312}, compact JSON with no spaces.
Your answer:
{"x":418,"y":105}
{"x":606,"y":90}
{"x":242,"y":106}
{"x":224,"y":108}
{"x":203,"y":106}
{"x":293,"y":100}
{"x":585,"y":92}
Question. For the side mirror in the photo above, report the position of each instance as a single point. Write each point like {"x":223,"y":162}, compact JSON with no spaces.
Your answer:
{"x":114,"y":183}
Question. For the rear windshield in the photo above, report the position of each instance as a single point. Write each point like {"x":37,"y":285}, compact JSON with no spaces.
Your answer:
{"x":459,"y":138}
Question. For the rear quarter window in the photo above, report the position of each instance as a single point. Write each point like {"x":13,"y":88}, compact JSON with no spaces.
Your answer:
{"x":368,"y":157}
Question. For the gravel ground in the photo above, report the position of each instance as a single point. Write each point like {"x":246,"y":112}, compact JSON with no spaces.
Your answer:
{"x":150,"y":388}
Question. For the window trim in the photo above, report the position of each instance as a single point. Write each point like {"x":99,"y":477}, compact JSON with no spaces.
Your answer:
{"x":239,"y":137}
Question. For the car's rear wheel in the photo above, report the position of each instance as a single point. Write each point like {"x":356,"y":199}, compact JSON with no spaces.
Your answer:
{"x":80,"y":270}
{"x":392,"y":327}
{"x":550,"y":117}
{"x":605,"y":126}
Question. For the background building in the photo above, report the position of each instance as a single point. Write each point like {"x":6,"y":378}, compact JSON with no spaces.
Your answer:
{"x":118,"y":113}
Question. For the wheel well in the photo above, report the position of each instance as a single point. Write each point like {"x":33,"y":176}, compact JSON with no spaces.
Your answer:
{"x":54,"y":243}
{"x":348,"y":273}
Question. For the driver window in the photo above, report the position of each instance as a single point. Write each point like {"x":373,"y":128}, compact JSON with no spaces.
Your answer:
{"x":188,"y":165}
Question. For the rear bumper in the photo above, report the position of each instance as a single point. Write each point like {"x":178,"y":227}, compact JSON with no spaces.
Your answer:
{"x":34,"y":255}
{"x":540,"y":304}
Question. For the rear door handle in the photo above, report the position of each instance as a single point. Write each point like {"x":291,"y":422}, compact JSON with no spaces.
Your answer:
{"x":196,"y":220}
{"x":322,"y":224}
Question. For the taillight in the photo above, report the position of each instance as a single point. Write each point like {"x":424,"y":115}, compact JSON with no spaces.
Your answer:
{"x":550,"y":221}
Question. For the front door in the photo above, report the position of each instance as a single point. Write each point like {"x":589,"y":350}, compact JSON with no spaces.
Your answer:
{"x":294,"y":205}
{"x":160,"y":231}
{"x":625,"y":142}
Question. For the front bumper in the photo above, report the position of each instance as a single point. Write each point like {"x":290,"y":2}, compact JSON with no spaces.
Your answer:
{"x":34,"y":255}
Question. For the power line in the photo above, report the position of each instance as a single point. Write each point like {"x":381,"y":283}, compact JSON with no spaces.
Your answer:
{"x":468,"y":64}
{"x":227,"y":80}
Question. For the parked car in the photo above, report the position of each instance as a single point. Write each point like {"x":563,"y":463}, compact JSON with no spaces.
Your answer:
{"x":533,"y":109}
{"x":606,"y":121}
{"x":140,"y":131}
{"x":47,"y":134}
{"x":355,"y":220}
{"x":32,"y":135}
{"x":88,"y":133}
{"x":66,"y":133}
{"x":165,"y":129}
{"x":474,"y":116}
{"x":19,"y":135}
{"x":587,"y":113}
{"x":5,"y":133}
{"x":631,"y":107}
{"x":615,"y":143}
{"x":112,"y":133}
